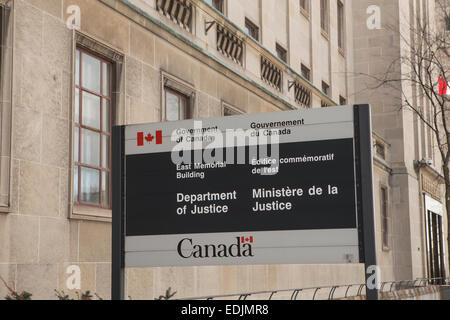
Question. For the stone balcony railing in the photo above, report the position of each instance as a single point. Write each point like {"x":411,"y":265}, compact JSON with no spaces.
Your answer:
{"x":271,"y":74}
{"x":179,"y":11}
{"x":302,"y":95}
{"x":381,"y":148}
{"x":229,"y":44}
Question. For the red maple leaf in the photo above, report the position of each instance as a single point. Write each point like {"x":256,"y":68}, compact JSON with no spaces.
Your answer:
{"x":149,"y":138}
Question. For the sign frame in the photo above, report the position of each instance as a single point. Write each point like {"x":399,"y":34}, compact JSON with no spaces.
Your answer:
{"x":364,"y":203}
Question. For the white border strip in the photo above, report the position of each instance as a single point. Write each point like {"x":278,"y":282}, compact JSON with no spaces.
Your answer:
{"x":337,"y":123}
{"x":269,"y":247}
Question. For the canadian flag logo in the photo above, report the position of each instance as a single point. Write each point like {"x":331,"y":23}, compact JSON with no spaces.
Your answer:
{"x":149,"y":138}
{"x":443,"y":87}
{"x":247,"y":239}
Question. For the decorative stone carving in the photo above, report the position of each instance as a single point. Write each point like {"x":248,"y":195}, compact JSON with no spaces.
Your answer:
{"x":98,"y":47}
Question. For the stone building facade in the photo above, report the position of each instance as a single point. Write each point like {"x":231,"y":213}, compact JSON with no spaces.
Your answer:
{"x":73,"y":68}
{"x":415,"y":180}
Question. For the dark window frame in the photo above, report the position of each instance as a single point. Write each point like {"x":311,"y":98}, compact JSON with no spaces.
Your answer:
{"x":78,"y":164}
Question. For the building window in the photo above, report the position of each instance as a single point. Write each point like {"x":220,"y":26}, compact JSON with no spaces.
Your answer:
{"x":176,"y":105}
{"x":6,"y":77}
{"x":1,"y":37}
{"x":384,"y":218}
{"x":380,"y":150}
{"x":435,"y":247}
{"x":324,"y":15}
{"x":217,"y":4}
{"x":306,"y":73}
{"x":92,"y":132}
{"x":342,"y":101}
{"x":341,"y":25}
{"x":281,"y":53}
{"x":229,"y":110}
{"x":304,"y":7}
{"x":251,"y":29}
{"x":325,"y":88}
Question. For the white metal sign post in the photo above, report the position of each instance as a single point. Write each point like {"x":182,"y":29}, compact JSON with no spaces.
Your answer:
{"x":289,"y":187}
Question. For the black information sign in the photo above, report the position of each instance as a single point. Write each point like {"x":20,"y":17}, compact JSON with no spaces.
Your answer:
{"x":235,"y":198}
